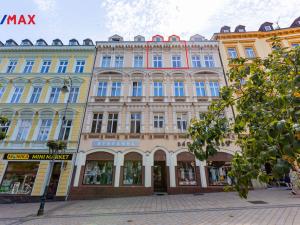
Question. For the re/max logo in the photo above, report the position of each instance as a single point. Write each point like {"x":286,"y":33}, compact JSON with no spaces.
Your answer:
{"x":17,"y":20}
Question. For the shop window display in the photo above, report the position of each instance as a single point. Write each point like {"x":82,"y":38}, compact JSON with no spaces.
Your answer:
{"x":132,"y":172}
{"x":218,"y":173}
{"x":186,"y":173}
{"x":19,"y":178}
{"x":98,"y":172}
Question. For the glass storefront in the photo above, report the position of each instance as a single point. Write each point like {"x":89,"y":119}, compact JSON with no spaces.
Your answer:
{"x":98,"y":172}
{"x":186,"y":173}
{"x":218,"y":173}
{"x":19,"y":178}
{"x":132,"y":172}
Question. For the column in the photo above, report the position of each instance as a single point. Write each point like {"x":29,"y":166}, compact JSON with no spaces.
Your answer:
{"x":148,"y":163}
{"x":80,"y":161}
{"x":118,"y":162}
{"x":202,"y":173}
{"x":173,"y":163}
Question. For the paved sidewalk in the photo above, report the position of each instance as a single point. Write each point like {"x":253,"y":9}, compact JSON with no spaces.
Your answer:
{"x":278,"y":207}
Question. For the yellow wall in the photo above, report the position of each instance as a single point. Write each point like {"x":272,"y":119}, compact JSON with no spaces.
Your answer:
{"x":40,"y":179}
{"x":64,"y":180}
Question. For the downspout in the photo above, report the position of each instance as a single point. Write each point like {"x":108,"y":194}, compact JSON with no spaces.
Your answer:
{"x":226,"y":82}
{"x":83,"y":118}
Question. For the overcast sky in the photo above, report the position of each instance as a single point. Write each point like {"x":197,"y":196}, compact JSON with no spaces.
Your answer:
{"x":99,"y":19}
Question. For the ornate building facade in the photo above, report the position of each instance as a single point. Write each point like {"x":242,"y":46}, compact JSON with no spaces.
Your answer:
{"x":143,"y":95}
{"x":43,"y":94}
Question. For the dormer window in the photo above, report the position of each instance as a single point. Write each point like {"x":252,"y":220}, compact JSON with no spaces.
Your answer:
{"x":157,"y":39}
{"x":73,"y":42}
{"x":57,"y":42}
{"x":241,"y":30}
{"x":41,"y":42}
{"x":115,"y":39}
{"x":139,"y":38}
{"x":226,"y":31}
{"x":11,"y":43}
{"x":87,"y":42}
{"x":268,"y":28}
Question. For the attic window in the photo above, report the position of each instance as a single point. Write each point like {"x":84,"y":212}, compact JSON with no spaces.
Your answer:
{"x":40,"y":43}
{"x":57,"y":43}
{"x":157,"y":39}
{"x":26,"y":43}
{"x":73,"y":42}
{"x":241,"y":30}
{"x":174,"y":39}
{"x":198,"y":39}
{"x":226,"y":31}
{"x":268,"y":28}
{"x":138,"y":39}
{"x":115,"y":39}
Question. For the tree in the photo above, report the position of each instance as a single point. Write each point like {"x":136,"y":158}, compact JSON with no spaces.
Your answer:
{"x":265,"y":95}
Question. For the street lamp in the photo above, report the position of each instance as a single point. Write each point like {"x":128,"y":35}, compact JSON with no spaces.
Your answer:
{"x":56,"y":147}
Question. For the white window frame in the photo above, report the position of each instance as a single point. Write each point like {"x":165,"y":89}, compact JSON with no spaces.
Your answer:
{"x":28,"y":66}
{"x":116,"y":88}
{"x":196,"y":61}
{"x":37,"y":95}
{"x":16,"y":96}
{"x":157,"y":89}
{"x":138,"y":61}
{"x":252,"y":53}
{"x":157,"y":61}
{"x":137,"y":91}
{"x":179,"y":87}
{"x":62,"y":66}
{"x":46,"y":64}
{"x":44,"y":130}
{"x":55,"y":98}
{"x":176,"y":61}
{"x":12,"y":64}
{"x":182,"y":121}
{"x":102,"y":88}
{"x":79,"y":66}
{"x":105,"y":63}
{"x":73,"y":94}
{"x":232,"y":52}
{"x":200,"y":87}
{"x":23,"y":130}
{"x":119,"y":61}
{"x":209,"y":61}
{"x":158,"y":119}
{"x":214,"y":87}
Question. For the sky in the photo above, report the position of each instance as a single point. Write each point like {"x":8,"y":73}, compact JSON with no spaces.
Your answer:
{"x":99,"y":19}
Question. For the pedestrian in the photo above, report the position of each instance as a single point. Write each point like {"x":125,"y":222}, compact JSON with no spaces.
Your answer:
{"x":287,"y":181}
{"x":294,"y":179}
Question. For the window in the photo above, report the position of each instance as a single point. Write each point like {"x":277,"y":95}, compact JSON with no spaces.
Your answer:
{"x":28,"y":66}
{"x":138,"y":61}
{"x":182,"y":122}
{"x":11,"y":66}
{"x":102,"y":87}
{"x":98,"y":172}
{"x":44,"y":130}
{"x":97,"y":123}
{"x":135,"y":126}
{"x":112,"y":123}
{"x":46,"y":66}
{"x":23,"y":129}
{"x":65,"y":130}
{"x":158,"y":120}
{"x":232,"y":53}
{"x":186,"y":172}
{"x":19,"y":178}
{"x":4,"y":127}
{"x":35,"y":95}
{"x":196,"y":62}
{"x":2,"y":90}
{"x":179,"y":88}
{"x":268,"y":28}
{"x":17,"y":95}
{"x":106,"y":61}
{"x":200,"y":88}
{"x":295,"y":44}
{"x":137,"y":88}
{"x":116,"y":89}
{"x":79,"y":68}
{"x":73,"y":94}
{"x":119,"y":61}
{"x":249,"y":52}
{"x":209,"y":61}
{"x":158,"y":88}
{"x":54,"y":95}
{"x":218,"y":173}
{"x":132,"y":172}
{"x":176,"y":61}
{"x":214,"y":88}
{"x":62,"y":66}
{"x":157,"y":61}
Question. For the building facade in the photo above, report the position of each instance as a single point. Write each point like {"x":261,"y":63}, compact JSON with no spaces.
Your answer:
{"x":143,"y":95}
{"x":43,"y":94}
{"x":251,"y":44}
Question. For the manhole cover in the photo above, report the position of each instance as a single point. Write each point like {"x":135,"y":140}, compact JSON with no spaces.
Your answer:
{"x":258,"y":202}
{"x":198,"y":193}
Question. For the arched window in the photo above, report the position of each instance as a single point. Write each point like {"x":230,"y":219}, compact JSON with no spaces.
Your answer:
{"x":186,"y":169}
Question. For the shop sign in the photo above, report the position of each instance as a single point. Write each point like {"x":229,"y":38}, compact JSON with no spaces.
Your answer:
{"x":34,"y":156}
{"x":118,"y":143}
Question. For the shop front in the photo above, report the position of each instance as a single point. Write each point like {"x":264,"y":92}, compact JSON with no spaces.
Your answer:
{"x":217,"y":170}
{"x":23,"y":176}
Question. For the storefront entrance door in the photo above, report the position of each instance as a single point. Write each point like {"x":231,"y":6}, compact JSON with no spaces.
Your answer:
{"x":54,"y":180}
{"x":159,"y":176}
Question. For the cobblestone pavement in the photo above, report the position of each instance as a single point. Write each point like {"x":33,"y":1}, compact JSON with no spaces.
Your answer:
{"x":276,"y":206}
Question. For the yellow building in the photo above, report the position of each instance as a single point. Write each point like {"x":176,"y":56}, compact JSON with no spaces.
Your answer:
{"x":251,"y":44}
{"x":43,"y":94}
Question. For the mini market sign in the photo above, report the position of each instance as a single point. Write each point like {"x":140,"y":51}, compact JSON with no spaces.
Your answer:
{"x":34,"y":156}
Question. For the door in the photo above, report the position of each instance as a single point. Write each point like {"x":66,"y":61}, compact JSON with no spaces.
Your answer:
{"x":159,"y":176}
{"x":54,"y":180}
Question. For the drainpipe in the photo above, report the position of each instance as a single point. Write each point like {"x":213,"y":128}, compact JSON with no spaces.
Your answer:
{"x":83,"y":118}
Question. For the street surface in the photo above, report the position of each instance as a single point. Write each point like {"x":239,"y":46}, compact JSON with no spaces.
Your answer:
{"x":272,"y":206}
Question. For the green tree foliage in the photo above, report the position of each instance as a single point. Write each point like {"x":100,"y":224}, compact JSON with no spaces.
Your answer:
{"x":266,"y":97}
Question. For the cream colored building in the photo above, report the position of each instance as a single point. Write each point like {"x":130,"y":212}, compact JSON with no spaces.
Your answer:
{"x":143,"y":95}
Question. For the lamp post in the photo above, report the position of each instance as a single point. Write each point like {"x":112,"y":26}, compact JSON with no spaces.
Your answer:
{"x":55,"y":147}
